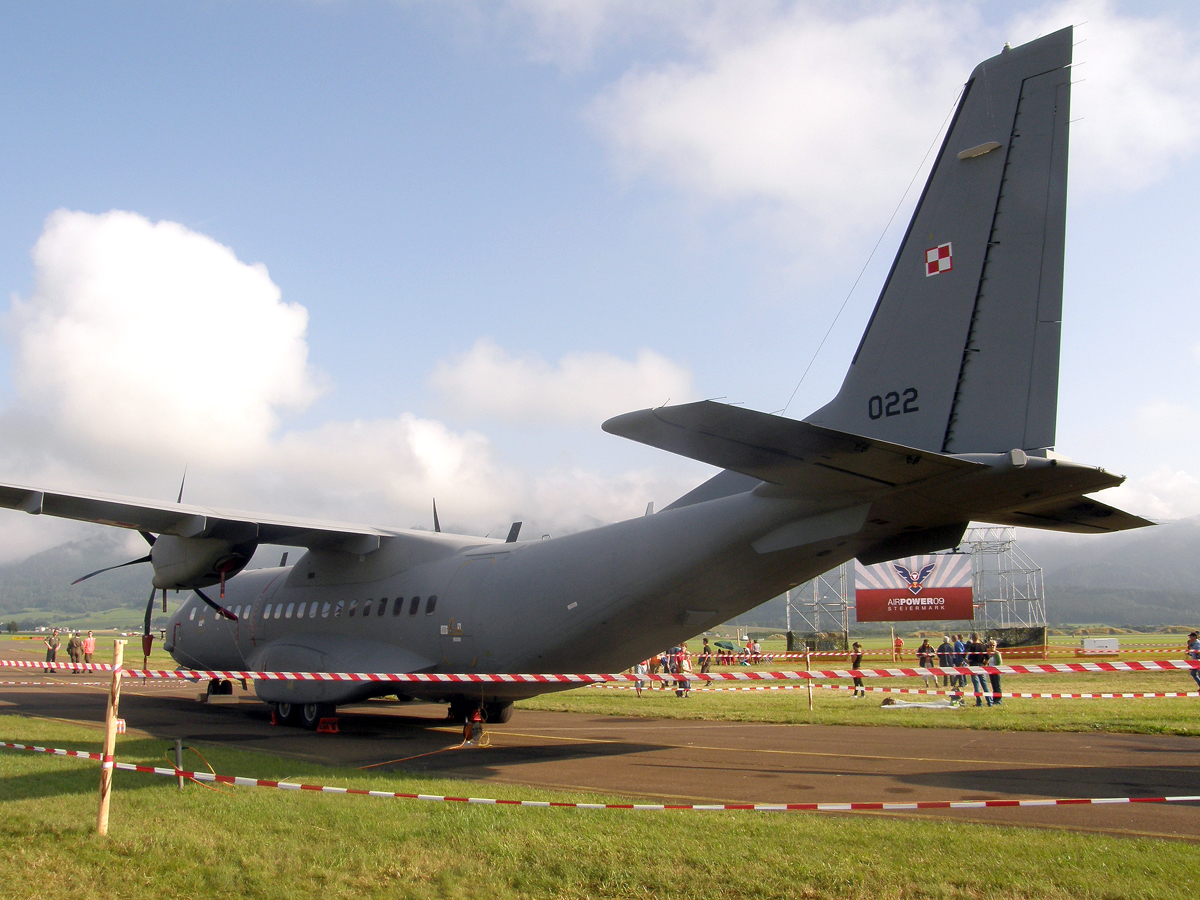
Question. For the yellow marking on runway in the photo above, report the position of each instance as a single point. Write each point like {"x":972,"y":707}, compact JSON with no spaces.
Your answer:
{"x":930,"y":759}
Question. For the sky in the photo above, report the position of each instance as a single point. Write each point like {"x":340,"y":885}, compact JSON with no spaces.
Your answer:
{"x":340,"y":258}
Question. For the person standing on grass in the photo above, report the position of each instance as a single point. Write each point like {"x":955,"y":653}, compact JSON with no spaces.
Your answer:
{"x":705,"y":657}
{"x":1193,"y":653}
{"x":639,"y":671}
{"x":89,"y":647}
{"x":856,"y":664}
{"x":945,"y":652}
{"x":960,"y":657}
{"x":927,"y":659}
{"x":683,"y":684}
{"x":995,"y":660}
{"x":977,"y":656}
{"x":52,"y":644}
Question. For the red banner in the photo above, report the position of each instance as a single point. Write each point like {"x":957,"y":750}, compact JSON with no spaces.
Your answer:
{"x":919,"y":588}
{"x":899,"y":605}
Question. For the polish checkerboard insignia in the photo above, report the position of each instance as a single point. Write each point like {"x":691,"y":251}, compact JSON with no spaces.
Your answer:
{"x":939,"y":259}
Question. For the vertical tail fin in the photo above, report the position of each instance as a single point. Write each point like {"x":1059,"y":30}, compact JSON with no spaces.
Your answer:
{"x":961,"y":352}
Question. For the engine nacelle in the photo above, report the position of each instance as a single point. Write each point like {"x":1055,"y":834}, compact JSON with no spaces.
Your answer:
{"x":184,"y":563}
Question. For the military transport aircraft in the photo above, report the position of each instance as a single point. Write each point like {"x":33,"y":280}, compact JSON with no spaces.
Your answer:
{"x":947,"y":415}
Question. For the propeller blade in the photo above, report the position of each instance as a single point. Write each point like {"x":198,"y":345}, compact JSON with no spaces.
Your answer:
{"x":148,"y":536}
{"x":149,"y":613}
{"x":513,"y":532}
{"x":437,"y":526}
{"x":132,"y":562}
{"x":182,"y":482}
{"x":220,"y":609}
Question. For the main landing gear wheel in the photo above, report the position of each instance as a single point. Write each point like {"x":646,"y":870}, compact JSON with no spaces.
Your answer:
{"x":497,"y":712}
{"x":311,"y":714}
{"x":461,"y":709}
{"x":287,"y":713}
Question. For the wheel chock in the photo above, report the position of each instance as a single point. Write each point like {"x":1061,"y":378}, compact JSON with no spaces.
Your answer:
{"x":328,"y":726}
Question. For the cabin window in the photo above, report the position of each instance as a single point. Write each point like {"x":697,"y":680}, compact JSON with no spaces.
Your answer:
{"x":398,"y":606}
{"x":430,"y":604}
{"x":290,"y":608}
{"x":267,"y":611}
{"x":337,"y":610}
{"x":366,"y":607}
{"x":278,"y":610}
{"x":382,"y":606}
{"x":192,"y":614}
{"x":312,"y":610}
{"x":300,"y":611}
{"x":324,"y":609}
{"x":237,"y":612}
{"x":414,"y":605}
{"x":353,"y":607}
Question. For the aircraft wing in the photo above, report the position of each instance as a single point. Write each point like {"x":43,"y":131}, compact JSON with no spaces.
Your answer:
{"x":194,"y":521}
{"x":782,"y":451}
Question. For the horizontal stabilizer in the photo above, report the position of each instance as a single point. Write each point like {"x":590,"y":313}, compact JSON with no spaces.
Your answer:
{"x":1081,"y":515}
{"x":779,"y":450}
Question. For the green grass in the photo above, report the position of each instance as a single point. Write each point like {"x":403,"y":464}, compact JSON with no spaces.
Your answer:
{"x":262,"y":843}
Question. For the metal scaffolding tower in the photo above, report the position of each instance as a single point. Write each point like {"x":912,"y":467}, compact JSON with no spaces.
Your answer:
{"x":1007,"y":584}
{"x":823,"y":601}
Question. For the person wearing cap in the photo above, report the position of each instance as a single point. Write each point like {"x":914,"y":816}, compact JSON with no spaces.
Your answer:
{"x":1193,"y":653}
{"x":53,"y":642}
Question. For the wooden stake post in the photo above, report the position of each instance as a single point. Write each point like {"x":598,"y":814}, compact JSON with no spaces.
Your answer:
{"x":808,"y":668}
{"x":110,"y":738}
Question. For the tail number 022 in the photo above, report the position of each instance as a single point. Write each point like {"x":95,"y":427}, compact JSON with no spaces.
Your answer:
{"x":893,"y":403}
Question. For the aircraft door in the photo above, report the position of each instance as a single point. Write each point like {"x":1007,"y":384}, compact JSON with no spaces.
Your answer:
{"x":259,"y":626}
{"x":466,"y":600}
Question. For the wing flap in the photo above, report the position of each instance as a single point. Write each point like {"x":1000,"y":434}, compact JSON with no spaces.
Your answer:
{"x":1081,"y":515}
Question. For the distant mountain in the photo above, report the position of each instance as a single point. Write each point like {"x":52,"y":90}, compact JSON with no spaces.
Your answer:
{"x":43,"y":581}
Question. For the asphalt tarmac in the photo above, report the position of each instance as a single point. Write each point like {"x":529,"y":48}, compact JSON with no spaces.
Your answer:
{"x":685,"y":761}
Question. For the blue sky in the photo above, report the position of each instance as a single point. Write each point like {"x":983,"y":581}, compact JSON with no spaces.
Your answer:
{"x":505,"y":221}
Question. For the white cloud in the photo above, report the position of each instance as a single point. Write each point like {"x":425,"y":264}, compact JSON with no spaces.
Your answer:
{"x":145,"y":345}
{"x":582,"y":387}
{"x":1136,"y":93}
{"x":820,"y":113}
{"x":827,"y":116}
{"x":142,"y":334}
{"x":1166,"y":493}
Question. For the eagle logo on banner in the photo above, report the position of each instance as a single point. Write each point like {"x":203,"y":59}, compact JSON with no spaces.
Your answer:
{"x":914,"y":579}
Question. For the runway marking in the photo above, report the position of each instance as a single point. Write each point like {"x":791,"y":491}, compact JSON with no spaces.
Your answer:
{"x":818,"y":753}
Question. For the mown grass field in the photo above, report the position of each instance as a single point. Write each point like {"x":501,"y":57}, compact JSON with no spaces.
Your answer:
{"x":262,"y":843}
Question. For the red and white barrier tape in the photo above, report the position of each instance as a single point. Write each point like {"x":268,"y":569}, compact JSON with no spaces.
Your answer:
{"x":925,"y":691}
{"x":506,"y":678}
{"x":644,"y":807}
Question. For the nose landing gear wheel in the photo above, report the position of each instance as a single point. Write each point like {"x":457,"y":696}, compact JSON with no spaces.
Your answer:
{"x":311,"y":714}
